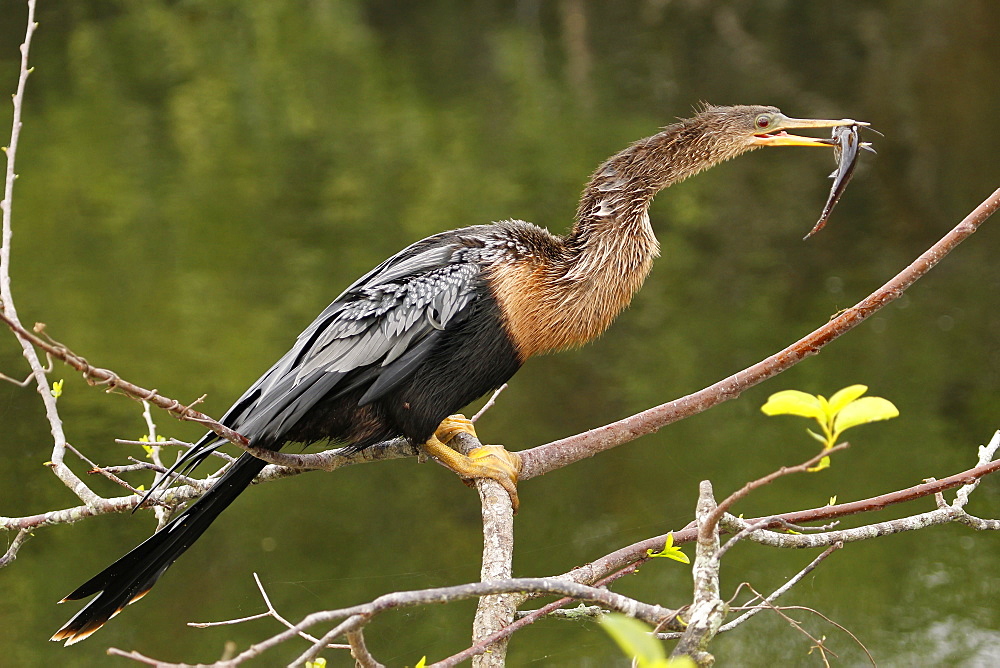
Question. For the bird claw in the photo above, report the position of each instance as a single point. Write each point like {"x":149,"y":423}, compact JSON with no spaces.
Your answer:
{"x":454,"y":425}
{"x":486,"y":461}
{"x":497,"y":463}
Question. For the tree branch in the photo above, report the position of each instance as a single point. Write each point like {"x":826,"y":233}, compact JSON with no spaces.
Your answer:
{"x":636,"y":552}
{"x":708,"y":610}
{"x":493,"y":612}
{"x":557,"y":454}
{"x":357,"y":616}
{"x":708,"y":527}
{"x":7,"y":310}
{"x":773,"y":596}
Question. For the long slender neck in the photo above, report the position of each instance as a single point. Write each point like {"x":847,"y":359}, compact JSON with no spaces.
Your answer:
{"x":608,"y":253}
{"x":615,"y":201}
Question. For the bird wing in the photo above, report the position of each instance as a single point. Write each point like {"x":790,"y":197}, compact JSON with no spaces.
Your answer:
{"x":375,"y":333}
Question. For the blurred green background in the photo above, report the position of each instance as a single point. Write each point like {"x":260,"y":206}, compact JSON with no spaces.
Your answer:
{"x":199,"y":179}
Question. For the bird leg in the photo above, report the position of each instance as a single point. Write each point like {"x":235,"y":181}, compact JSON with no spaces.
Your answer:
{"x":486,"y":461}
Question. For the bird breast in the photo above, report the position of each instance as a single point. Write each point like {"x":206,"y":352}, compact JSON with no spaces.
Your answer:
{"x":553,"y":304}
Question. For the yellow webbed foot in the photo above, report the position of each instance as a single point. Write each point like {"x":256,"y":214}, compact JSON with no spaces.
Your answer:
{"x":487,"y":461}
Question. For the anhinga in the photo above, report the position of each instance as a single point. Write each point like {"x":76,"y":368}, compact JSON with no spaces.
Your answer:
{"x":443,"y":322}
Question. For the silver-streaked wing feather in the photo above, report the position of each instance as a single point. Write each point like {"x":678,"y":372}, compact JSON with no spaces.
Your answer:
{"x":386,"y":322}
{"x":375,"y":322}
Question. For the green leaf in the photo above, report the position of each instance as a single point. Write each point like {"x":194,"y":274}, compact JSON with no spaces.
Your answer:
{"x":421,"y":663}
{"x":824,"y":406}
{"x":863,"y":411}
{"x":846,"y":396}
{"x":794,"y":402}
{"x":635,"y":640}
{"x":670,"y":552}
{"x":819,"y":437}
{"x":320,"y":662}
{"x":823,"y":464}
{"x":57,"y":389}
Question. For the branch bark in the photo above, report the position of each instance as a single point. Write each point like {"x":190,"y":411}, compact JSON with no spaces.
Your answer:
{"x":496,"y":611}
{"x":708,"y":610}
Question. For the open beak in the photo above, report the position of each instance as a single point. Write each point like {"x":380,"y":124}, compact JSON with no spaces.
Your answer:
{"x":777,"y":135}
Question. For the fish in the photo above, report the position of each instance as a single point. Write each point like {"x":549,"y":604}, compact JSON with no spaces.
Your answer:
{"x":847,"y":148}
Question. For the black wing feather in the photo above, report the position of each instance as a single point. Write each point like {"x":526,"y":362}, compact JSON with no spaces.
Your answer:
{"x":377,"y":331}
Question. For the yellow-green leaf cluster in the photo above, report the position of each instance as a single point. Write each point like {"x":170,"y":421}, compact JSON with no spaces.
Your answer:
{"x":148,"y":448}
{"x":670,"y":552}
{"x":57,"y":389}
{"x":845,"y":409}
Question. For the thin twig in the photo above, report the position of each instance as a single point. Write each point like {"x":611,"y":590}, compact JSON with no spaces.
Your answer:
{"x":709,"y":525}
{"x":31,"y":376}
{"x":832,"y":623}
{"x":818,"y":643}
{"x":176,"y":442}
{"x":780,"y":610}
{"x":327,"y":461}
{"x":174,"y":475}
{"x":360,"y":651}
{"x":770,"y":522}
{"x":141,"y":658}
{"x":94,"y":468}
{"x":524,"y":620}
{"x":271,"y":612}
{"x":104,"y":377}
{"x":773,"y":596}
{"x":489,"y":404}
{"x":11,"y":554}
{"x":7,"y":310}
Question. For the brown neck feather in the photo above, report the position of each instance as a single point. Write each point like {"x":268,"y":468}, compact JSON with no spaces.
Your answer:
{"x":591,"y":274}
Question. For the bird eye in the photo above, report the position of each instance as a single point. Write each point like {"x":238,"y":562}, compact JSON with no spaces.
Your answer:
{"x":763,"y":121}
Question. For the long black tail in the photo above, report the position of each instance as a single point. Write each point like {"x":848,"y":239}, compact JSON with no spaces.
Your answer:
{"x":128,"y":579}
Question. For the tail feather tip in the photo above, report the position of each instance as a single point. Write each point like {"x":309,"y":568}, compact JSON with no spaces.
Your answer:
{"x":71,"y":636}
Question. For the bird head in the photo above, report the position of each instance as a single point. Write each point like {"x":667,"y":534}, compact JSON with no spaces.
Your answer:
{"x":766,"y":126}
{"x":748,"y":127}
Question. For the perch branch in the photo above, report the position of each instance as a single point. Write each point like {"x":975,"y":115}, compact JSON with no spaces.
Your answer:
{"x":545,"y":458}
{"x":493,"y":612}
